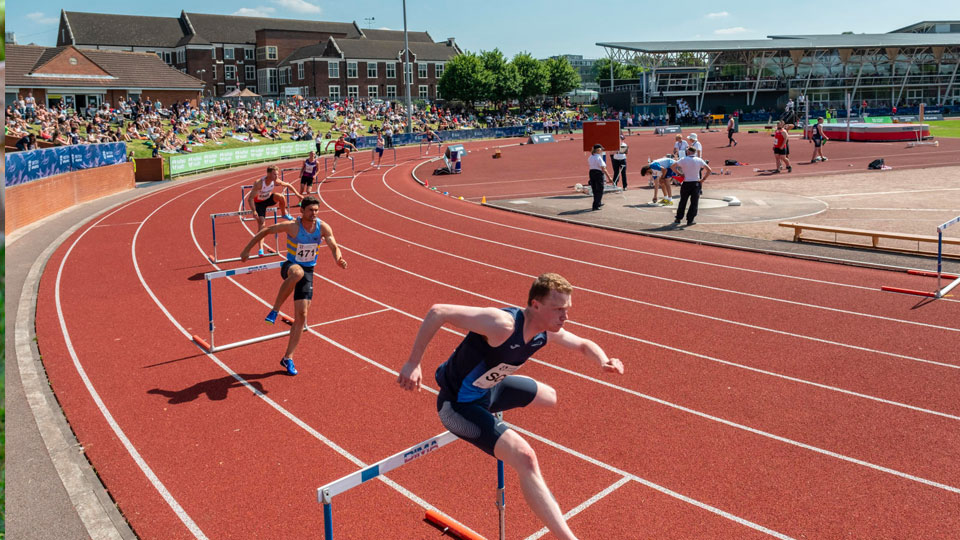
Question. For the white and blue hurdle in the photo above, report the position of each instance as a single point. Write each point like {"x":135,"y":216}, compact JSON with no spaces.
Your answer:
{"x":943,"y":291}
{"x":424,"y":143}
{"x":243,"y":197}
{"x":211,"y":346}
{"x":242,"y":214}
{"x":326,"y":493}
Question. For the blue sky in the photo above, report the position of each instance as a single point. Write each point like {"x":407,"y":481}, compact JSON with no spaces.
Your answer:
{"x":541,"y":27}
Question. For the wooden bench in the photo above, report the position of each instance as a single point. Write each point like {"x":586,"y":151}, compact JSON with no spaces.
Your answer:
{"x":875,"y":238}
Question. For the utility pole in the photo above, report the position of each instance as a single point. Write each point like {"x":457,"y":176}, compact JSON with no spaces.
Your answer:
{"x":406,"y":69}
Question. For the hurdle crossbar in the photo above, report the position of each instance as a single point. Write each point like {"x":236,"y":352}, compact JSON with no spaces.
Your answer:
{"x":243,"y":198}
{"x":325,"y":494}
{"x":209,"y":277}
{"x":943,"y":291}
{"x":373,"y":156}
{"x":353,"y":168}
{"x":438,"y":142}
{"x":241,"y":213}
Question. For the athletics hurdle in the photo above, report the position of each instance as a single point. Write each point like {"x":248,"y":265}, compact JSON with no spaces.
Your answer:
{"x":941,"y":290}
{"x":243,"y":197}
{"x":373,"y":156}
{"x":428,"y":144}
{"x":920,"y":141}
{"x":211,"y":347}
{"x":241,"y":214}
{"x":326,"y":493}
{"x":353,"y":168}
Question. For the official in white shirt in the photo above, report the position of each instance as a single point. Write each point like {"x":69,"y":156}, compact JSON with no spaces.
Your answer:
{"x":598,"y":170}
{"x":691,"y":168}
{"x":620,"y":165}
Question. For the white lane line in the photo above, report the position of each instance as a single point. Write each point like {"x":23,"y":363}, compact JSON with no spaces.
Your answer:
{"x":351,"y":317}
{"x":649,"y":304}
{"x":426,"y":387}
{"x":111,"y":421}
{"x":671,"y":280}
{"x":900,"y":192}
{"x":630,"y":250}
{"x":583,"y":506}
{"x":664,"y":402}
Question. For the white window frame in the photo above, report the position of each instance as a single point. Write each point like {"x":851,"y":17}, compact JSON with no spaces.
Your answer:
{"x":373,"y":91}
{"x":409,"y":73}
{"x":228,"y":53}
{"x":230,"y":72}
{"x":391,"y":70}
{"x":300,"y":71}
{"x":391,"y":91}
{"x":333,"y":69}
{"x":334,"y":91}
{"x":353,"y":91}
{"x":436,"y":92}
{"x":423,"y":91}
{"x":914,"y":93}
{"x":352,"y":68}
{"x":250,"y":72}
{"x":371,"y":70}
{"x":249,"y":54}
{"x":213,"y":71}
{"x":422,"y":70}
{"x":268,"y":52}
{"x":438,"y":69}
{"x":267,"y":81}
{"x":229,"y":88}
{"x":213,"y":52}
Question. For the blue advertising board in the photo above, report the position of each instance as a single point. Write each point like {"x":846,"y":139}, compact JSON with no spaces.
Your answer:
{"x":23,"y":167}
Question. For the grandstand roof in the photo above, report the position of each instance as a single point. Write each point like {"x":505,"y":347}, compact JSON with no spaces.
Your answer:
{"x":786,"y":42}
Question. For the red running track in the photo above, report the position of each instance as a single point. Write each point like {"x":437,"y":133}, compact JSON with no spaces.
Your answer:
{"x":762,"y":395}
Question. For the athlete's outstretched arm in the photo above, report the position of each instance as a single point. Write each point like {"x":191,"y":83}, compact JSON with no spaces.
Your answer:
{"x":327,"y":233}
{"x":495,"y":324}
{"x":587,"y":348}
{"x":276,"y":228}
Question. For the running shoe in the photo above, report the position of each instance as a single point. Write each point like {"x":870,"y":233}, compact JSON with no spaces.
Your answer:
{"x":260,"y":253}
{"x":823,"y":159}
{"x":789,"y":168}
{"x":288,"y":364}
{"x":288,"y":216}
{"x":667,"y":202}
{"x":271,"y":317}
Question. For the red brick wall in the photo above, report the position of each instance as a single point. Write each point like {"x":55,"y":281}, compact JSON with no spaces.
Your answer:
{"x":33,"y":201}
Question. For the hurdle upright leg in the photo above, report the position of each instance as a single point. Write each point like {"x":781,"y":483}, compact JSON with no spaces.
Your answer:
{"x":501,"y":494}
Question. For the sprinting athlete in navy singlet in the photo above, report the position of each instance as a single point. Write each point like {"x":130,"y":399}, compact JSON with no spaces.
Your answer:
{"x":479,"y":380}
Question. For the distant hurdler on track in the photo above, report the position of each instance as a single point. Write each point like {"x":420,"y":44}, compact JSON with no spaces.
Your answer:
{"x":262,"y":196}
{"x":477,"y":380}
{"x":304,"y":238}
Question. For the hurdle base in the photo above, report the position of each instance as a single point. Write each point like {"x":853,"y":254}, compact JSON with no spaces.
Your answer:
{"x":451,"y":526}
{"x":908,"y":291}
{"x":203,"y":344}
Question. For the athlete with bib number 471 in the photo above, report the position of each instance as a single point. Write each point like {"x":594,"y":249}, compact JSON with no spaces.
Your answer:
{"x":477,"y":380}
{"x":304,"y":238}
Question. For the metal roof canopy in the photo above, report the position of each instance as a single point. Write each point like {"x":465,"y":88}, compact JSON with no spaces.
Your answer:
{"x":786,"y":43}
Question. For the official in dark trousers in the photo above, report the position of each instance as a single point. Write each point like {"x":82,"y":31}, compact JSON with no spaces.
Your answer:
{"x":691,"y":168}
{"x":598,"y":170}
{"x":620,"y":166}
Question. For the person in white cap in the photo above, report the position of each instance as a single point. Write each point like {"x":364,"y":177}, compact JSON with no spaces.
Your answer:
{"x":620,"y":165}
{"x":694,"y":143}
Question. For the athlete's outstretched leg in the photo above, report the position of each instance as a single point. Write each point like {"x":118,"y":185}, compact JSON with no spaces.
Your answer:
{"x":299,"y":320}
{"x":517,"y":453}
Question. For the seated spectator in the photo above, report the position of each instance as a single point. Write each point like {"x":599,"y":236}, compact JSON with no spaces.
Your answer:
{"x":27,"y":142}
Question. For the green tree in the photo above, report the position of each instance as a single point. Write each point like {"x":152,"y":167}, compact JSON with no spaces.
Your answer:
{"x":601,"y":71}
{"x":503,"y":76}
{"x":465,"y":79}
{"x":563,"y":78}
{"x":534,"y":77}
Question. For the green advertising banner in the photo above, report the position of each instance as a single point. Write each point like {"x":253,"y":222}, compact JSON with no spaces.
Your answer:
{"x":878,"y":120}
{"x":182,"y":164}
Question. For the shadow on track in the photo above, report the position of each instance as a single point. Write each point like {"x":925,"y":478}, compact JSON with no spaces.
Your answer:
{"x":215,"y":389}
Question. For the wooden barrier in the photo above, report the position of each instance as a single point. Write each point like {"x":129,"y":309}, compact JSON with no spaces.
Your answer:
{"x":33,"y":201}
{"x":149,"y":169}
{"x":875,"y":239}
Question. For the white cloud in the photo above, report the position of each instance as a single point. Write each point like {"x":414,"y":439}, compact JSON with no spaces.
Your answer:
{"x":718,"y":15}
{"x":300,"y":6}
{"x":259,"y":11}
{"x":384,"y":28}
{"x":730,"y":31}
{"x":40,"y":18}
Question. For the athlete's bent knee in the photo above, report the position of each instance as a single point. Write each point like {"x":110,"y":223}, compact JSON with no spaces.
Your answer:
{"x":546,"y":396}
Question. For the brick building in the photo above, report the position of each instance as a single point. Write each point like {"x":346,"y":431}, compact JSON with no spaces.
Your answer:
{"x":91,"y":77}
{"x":268,"y":55}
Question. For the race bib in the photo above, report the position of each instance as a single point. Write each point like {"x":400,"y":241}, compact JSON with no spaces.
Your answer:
{"x":494,"y":375}
{"x":306,"y":253}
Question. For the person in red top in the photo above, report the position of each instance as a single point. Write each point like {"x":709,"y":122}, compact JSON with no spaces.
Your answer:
{"x":340,"y":148}
{"x":781,"y":146}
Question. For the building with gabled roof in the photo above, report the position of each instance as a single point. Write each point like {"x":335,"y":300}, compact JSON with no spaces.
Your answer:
{"x":83,"y":77}
{"x":230,"y":52}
